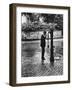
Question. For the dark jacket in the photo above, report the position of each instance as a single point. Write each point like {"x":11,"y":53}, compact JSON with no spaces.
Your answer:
{"x":43,"y":43}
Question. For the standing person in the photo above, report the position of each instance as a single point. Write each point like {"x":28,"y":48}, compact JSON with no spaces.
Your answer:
{"x":43,"y":44}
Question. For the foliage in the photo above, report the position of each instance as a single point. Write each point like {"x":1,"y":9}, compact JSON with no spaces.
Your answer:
{"x":34,"y":23}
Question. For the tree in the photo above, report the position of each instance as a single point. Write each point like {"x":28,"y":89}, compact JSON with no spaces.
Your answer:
{"x":59,"y":21}
{"x":49,"y":18}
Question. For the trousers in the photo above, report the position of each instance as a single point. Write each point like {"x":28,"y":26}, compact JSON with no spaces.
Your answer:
{"x":43,"y":52}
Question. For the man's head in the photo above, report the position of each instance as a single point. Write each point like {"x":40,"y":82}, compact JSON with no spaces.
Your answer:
{"x":44,"y":32}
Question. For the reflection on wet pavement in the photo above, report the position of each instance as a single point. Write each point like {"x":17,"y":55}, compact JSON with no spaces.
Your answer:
{"x":31,"y":63}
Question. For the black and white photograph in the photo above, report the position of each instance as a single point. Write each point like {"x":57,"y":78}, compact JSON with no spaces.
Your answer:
{"x":41,"y":44}
{"x":41,"y":39}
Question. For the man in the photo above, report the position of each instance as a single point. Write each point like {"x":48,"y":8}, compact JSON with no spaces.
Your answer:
{"x":43,"y":44}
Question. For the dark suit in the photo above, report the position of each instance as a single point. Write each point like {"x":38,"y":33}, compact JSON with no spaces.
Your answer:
{"x":43,"y":44}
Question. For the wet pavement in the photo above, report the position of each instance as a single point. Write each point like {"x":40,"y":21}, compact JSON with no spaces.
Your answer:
{"x":31,"y":63}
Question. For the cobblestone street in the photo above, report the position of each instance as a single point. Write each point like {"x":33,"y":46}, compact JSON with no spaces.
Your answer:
{"x":31,"y":63}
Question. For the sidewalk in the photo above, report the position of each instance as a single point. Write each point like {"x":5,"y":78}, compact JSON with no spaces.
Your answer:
{"x":32,"y":65}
